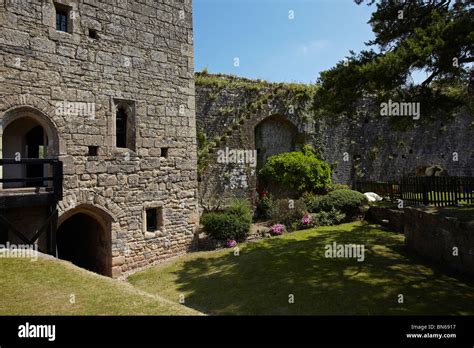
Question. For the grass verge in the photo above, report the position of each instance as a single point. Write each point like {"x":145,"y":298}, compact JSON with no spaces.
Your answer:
{"x":47,"y":287}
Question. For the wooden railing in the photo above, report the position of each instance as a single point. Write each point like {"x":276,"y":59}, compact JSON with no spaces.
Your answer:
{"x":55,"y":181}
{"x":438,"y":191}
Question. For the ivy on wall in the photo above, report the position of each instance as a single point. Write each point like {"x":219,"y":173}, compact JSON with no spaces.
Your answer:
{"x":258,"y":94}
{"x":203,"y":153}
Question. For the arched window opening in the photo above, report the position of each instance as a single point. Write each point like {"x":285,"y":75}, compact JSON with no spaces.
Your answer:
{"x":125,"y":124}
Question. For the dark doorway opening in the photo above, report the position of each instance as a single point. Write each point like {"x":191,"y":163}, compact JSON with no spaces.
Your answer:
{"x":34,"y":141}
{"x":22,"y":138}
{"x":82,"y":240}
{"x":3,"y":235}
{"x":274,"y":135}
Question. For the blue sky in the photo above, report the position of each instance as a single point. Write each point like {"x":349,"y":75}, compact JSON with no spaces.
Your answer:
{"x":272,"y":46}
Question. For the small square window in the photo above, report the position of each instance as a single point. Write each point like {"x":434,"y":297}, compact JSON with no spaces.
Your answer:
{"x":164,"y":152}
{"x":62,"y":17}
{"x":154,"y":219}
{"x":93,"y":151}
{"x":92,"y":33}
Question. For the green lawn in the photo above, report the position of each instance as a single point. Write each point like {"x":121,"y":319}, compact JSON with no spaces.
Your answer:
{"x":44,"y":287}
{"x":261,"y":278}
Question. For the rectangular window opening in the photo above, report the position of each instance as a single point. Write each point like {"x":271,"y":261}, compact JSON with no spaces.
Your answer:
{"x":164,"y":152}
{"x":62,"y":17}
{"x":154,"y":219}
{"x":93,"y":151}
{"x":92,"y":33}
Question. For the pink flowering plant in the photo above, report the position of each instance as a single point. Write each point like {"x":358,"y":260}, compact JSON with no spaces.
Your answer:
{"x":230,"y":243}
{"x":306,"y":221}
{"x":277,"y":229}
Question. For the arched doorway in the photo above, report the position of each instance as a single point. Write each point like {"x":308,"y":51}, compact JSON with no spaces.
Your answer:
{"x":27,"y":133}
{"x":84,"y":238}
{"x":274,"y":135}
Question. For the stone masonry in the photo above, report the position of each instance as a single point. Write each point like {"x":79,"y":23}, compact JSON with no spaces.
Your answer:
{"x":358,"y":148}
{"x":130,"y":54}
{"x":277,"y":126}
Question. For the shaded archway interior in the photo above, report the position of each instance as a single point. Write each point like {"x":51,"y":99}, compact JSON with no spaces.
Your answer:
{"x":26,"y":132}
{"x":24,"y":138}
{"x":274,"y":135}
{"x":85,"y":241}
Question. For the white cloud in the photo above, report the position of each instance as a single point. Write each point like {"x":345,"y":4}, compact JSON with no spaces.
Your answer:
{"x":313,"y":47}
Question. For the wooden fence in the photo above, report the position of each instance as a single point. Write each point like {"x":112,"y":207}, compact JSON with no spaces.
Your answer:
{"x":436,"y":190}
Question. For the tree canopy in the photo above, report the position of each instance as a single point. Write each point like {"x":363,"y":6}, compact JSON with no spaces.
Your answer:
{"x":435,"y":36}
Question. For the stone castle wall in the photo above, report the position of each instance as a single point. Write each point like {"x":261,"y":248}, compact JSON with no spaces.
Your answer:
{"x":142,"y":53}
{"x":378,"y":152}
{"x":228,"y":113}
{"x":365,"y":147}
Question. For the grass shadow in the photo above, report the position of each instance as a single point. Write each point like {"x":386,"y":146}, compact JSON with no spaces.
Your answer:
{"x":267,"y":275}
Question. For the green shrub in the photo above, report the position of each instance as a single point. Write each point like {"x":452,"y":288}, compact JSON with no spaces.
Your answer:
{"x":328,"y":218}
{"x":312,"y":201}
{"x":264,"y":207}
{"x":240,"y":207}
{"x":232,"y":223}
{"x":347,"y":201}
{"x":300,"y":171}
{"x":288,"y":212}
{"x":334,"y":187}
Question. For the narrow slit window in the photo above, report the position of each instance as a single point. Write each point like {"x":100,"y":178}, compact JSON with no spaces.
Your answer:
{"x":121,"y":127}
{"x":125,"y":136}
{"x":151,"y":220}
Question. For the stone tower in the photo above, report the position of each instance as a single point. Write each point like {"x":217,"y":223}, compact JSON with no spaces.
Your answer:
{"x":105,"y":87}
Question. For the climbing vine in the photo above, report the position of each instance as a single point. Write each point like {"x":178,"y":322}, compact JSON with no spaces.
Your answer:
{"x":257,"y":95}
{"x":203,"y":153}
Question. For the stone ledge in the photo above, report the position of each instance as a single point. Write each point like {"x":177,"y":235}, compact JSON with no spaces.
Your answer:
{"x":390,"y":218}
{"x":444,"y":235}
